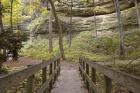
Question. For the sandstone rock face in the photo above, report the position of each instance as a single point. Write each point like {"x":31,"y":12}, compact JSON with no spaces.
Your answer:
{"x":85,"y":10}
{"x":105,"y":22}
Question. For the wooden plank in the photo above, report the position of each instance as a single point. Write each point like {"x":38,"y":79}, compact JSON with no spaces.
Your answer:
{"x":129,"y":81}
{"x":83,"y":69}
{"x":107,"y":85}
{"x":91,"y":84}
{"x":87,"y":72}
{"x":15,"y":78}
{"x":80,"y":63}
{"x":44,"y":77}
{"x":55,"y":66}
{"x":59,"y":64}
{"x":93,"y":75}
{"x":51,"y":72}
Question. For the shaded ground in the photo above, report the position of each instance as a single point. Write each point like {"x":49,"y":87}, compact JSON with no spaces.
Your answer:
{"x":69,"y":80}
{"x":21,"y":63}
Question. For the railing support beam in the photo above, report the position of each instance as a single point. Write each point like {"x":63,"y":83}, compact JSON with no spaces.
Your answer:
{"x":30,"y":81}
{"x":107,"y":85}
{"x":44,"y":76}
{"x":51,"y":71}
{"x":87,"y":71}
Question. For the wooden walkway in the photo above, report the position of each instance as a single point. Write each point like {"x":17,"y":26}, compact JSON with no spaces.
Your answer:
{"x":69,"y":80}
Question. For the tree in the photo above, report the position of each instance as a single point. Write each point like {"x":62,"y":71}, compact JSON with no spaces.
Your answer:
{"x":138,"y":13}
{"x":95,"y":24}
{"x":50,"y":32}
{"x":59,"y":28}
{"x":2,"y":31}
{"x":14,"y":49}
{"x":1,"y":26}
{"x":120,"y":27}
{"x":1,"y":22}
{"x":11,"y":15}
{"x":70,"y":32}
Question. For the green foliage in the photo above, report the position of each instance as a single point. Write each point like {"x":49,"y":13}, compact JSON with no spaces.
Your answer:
{"x":3,"y":70}
{"x":21,"y":11}
{"x":17,"y":12}
{"x":36,"y":23}
{"x":85,"y":44}
{"x":110,"y":45}
{"x":132,"y":43}
{"x":35,"y":7}
{"x":39,"y":49}
{"x":103,"y":48}
{"x":11,"y":42}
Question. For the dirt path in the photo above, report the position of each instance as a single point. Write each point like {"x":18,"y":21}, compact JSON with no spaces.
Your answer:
{"x":69,"y":80}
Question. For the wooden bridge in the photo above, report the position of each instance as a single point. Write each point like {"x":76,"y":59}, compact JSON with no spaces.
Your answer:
{"x":50,"y":70}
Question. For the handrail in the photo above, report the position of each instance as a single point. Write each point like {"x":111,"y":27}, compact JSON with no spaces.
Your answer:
{"x":13,"y":79}
{"x":129,"y":81}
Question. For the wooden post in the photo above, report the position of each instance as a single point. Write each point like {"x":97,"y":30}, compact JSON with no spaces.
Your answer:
{"x":107,"y":85}
{"x":51,"y":68}
{"x":93,"y":75}
{"x":30,"y":81}
{"x":44,"y":76}
{"x":84,"y":69}
{"x":87,"y":72}
{"x":54,"y":65}
{"x":79,"y":66}
{"x":59,"y":66}
{"x":54,"y":70}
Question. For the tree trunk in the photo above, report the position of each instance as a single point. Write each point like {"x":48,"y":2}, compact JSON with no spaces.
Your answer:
{"x":70,"y":32}
{"x":60,"y":30}
{"x":14,"y":50}
{"x":2,"y":30}
{"x":1,"y":22}
{"x":95,"y":24}
{"x":11,"y":16}
{"x":120,"y":26}
{"x":50,"y":32}
{"x":15,"y":54}
{"x":138,"y":13}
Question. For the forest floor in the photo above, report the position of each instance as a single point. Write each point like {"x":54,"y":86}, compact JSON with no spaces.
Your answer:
{"x":21,"y":63}
{"x":69,"y":80}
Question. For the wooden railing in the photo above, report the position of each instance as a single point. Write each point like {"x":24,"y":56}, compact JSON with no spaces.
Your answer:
{"x":129,"y":81}
{"x":14,"y":79}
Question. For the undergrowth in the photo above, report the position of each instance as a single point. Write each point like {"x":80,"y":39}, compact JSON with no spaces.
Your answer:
{"x":101,"y":48}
